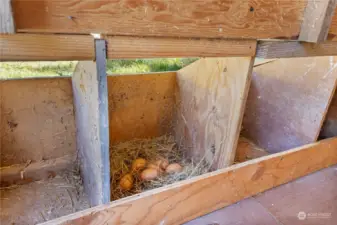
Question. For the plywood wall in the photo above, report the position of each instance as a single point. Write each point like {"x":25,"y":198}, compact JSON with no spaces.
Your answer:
{"x":141,"y":106}
{"x":288,"y":100}
{"x":212,"y":96}
{"x":36,"y":119}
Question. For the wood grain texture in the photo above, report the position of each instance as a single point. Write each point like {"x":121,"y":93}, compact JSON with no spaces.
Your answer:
{"x":290,"y":49}
{"x":211,"y":101}
{"x":29,"y":172}
{"x":39,"y":47}
{"x":141,"y":106}
{"x":6,"y":17}
{"x":166,"y":18}
{"x":186,"y":200}
{"x":288,"y":100}
{"x":247,"y":150}
{"x":37,"y":120}
{"x":150,"y":47}
{"x":317,"y":20}
{"x":91,"y":123}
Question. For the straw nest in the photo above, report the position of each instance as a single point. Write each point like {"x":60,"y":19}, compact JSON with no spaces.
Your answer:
{"x":123,"y":154}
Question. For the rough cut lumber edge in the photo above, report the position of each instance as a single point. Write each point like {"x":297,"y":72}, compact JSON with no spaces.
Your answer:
{"x":6,"y":17}
{"x":92,"y":122}
{"x":151,"y":47}
{"x":29,"y":172}
{"x":211,"y":98}
{"x":289,"y":49}
{"x":186,"y":200}
{"x":40,"y":47}
{"x":317,"y":20}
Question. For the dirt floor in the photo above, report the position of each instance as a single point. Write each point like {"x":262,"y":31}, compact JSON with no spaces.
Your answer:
{"x":42,"y":200}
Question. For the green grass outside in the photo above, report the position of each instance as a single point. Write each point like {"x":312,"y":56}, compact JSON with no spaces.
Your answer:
{"x":10,"y":70}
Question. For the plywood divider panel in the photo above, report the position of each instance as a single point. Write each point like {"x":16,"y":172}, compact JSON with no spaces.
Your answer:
{"x":141,"y":105}
{"x":92,"y":122}
{"x":186,"y":200}
{"x":165,"y":18}
{"x":288,"y":100}
{"x":6,"y":17}
{"x":211,"y":100}
{"x":37,"y":120}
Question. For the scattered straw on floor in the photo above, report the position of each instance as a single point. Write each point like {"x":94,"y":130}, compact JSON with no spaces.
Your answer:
{"x":123,"y":154}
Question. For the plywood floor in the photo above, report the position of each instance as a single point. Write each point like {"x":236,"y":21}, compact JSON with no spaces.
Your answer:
{"x":315,"y":196}
{"x":42,"y":200}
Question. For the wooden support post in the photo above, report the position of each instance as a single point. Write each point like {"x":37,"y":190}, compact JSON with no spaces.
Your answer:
{"x":92,"y":122}
{"x":317,"y":20}
{"x":186,"y":200}
{"x":212,"y":94}
{"x":6,"y":17}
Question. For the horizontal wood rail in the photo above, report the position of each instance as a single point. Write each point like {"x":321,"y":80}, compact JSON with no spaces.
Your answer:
{"x":42,"y":47}
{"x":186,"y":200}
{"x":30,"y":172}
{"x":50,"y":47}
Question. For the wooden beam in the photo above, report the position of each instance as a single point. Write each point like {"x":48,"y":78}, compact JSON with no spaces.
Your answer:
{"x":6,"y":17}
{"x":30,"y":47}
{"x":211,"y":100}
{"x":151,"y":47}
{"x":92,"y":122}
{"x":317,"y":20}
{"x":186,"y":200}
{"x":288,"y":100}
{"x":173,"y":18}
{"x":30,"y":172}
{"x":290,"y":49}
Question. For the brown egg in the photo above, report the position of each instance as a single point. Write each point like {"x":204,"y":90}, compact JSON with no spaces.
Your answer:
{"x":149,"y":174}
{"x":162,"y":163}
{"x":155,"y":166}
{"x":126,"y":182}
{"x":174,"y":168}
{"x":138,"y":164}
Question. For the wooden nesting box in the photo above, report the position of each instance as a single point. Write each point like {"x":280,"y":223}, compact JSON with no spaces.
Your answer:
{"x":201,"y":105}
{"x":51,"y":128}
